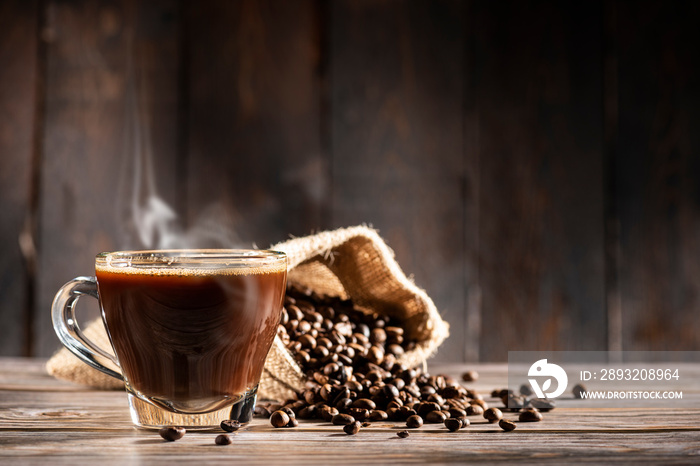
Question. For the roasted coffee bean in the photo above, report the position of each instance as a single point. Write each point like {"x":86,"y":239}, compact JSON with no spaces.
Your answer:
{"x":396,"y":403}
{"x":453,"y":424}
{"x":307,"y":341}
{"x":514,"y":402}
{"x":342,"y":419}
{"x":352,"y":428}
{"x":308,"y":412}
{"x":435,"y":417}
{"x":302,"y":357}
{"x":395,"y":340}
{"x":339,"y":393}
{"x":457,"y":412}
{"x":541,"y":404}
{"x":321,"y":353}
{"x":279,"y":419}
{"x":331,"y":368}
{"x":435,"y":398}
{"x":377,"y":336}
{"x":375,"y":354}
{"x":359,"y":414}
{"x":328,"y":412}
{"x":405,"y":412}
{"x":578,"y":390}
{"x":426,"y":407}
{"x":480,"y":402}
{"x":294,"y":346}
{"x":364,"y":403}
{"x":506,"y":425}
{"x":294,"y":312}
{"x":172,"y":433}
{"x":343,"y":404}
{"x":354,"y":385}
{"x":326,"y":392}
{"x":493,"y":415}
{"x":223,"y":439}
{"x":451,"y":392}
{"x":470,"y":376}
{"x":464,"y":420}
{"x":390,"y":391}
{"x":414,"y":421}
{"x":290,"y":412}
{"x":399,"y":383}
{"x":474,"y":410}
{"x":530,"y":415}
{"x":525,"y":390}
{"x":303,"y":327}
{"x":403,"y":433}
{"x":230,"y":425}
{"x":501,"y":393}
{"x":427,"y":390}
{"x":378,"y":415}
{"x":292,"y":423}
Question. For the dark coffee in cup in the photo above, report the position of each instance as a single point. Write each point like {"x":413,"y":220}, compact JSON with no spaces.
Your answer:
{"x":191,"y":341}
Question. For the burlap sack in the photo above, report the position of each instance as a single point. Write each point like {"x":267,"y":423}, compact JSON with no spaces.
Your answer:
{"x":351,"y":263}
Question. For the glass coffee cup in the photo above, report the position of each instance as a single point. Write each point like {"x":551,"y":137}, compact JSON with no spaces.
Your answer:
{"x":190,"y":329}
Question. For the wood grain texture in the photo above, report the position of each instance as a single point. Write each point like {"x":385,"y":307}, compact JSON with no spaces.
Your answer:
{"x":397,"y":151}
{"x":500,"y":148}
{"x":18,"y":75}
{"x":88,"y":151}
{"x":657,"y":167}
{"x":538,"y":91}
{"x":54,"y":423}
{"x":254,"y":159}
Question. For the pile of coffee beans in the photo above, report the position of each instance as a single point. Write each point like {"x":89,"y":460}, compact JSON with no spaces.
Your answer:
{"x":331,"y":338}
{"x":350,"y":359}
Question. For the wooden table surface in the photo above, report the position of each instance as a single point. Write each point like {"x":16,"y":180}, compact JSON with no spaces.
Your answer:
{"x":46,"y":421}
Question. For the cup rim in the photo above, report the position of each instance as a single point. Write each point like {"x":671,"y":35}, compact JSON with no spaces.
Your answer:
{"x":170,"y":259}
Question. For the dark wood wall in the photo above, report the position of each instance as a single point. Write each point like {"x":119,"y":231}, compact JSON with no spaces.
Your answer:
{"x":534,"y":165}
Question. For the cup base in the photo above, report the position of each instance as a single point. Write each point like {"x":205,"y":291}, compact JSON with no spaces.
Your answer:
{"x":149,"y":416}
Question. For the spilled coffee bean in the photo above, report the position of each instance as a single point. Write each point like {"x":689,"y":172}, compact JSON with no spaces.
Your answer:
{"x":525,"y":390}
{"x":506,"y":425}
{"x":230,"y":425}
{"x":453,"y":424}
{"x":474,"y":410}
{"x":292,"y":423}
{"x":223,"y":439}
{"x":414,"y":421}
{"x":353,"y":428}
{"x":279,"y":419}
{"x":530,"y":415}
{"x":342,"y":420}
{"x":402,"y":433}
{"x":493,"y":415}
{"x":578,"y":390}
{"x":172,"y":433}
{"x":541,"y":404}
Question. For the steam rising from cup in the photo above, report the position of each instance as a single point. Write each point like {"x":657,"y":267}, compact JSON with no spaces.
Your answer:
{"x":153,"y":223}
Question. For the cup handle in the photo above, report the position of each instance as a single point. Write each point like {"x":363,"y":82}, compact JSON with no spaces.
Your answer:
{"x":66,"y":325}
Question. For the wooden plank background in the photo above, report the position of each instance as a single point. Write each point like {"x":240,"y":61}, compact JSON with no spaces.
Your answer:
{"x":533,"y":165}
